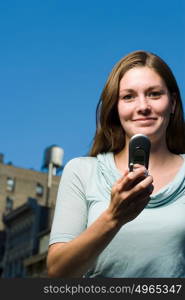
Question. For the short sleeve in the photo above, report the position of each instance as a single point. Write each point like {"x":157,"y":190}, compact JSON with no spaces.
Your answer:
{"x":70,"y":216}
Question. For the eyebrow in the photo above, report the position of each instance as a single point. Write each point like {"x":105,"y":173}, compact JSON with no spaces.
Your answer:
{"x":148,"y":89}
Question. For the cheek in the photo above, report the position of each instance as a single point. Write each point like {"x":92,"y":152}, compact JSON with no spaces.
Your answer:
{"x":124,"y":112}
{"x":163,"y":110}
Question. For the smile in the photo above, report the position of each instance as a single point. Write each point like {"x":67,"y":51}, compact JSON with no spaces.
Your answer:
{"x":145,"y":119}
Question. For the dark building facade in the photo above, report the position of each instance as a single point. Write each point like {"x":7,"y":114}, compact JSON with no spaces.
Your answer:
{"x":2,"y":249}
{"x":35,"y":265}
{"x":22,"y":228}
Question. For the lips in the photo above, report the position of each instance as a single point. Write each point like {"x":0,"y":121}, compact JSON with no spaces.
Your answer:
{"x":145,"y":119}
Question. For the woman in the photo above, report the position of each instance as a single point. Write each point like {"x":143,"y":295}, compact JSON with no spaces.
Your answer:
{"x":113,"y":223}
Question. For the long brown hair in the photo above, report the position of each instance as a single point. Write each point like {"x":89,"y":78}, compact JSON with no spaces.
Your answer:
{"x":110,"y":136}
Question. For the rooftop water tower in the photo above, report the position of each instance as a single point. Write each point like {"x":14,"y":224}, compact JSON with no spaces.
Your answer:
{"x":53,"y":161}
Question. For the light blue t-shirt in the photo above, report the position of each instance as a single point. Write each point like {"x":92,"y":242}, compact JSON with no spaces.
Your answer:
{"x":152,"y":245}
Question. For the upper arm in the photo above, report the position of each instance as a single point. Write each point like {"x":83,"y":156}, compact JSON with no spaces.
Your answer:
{"x":70,"y":217}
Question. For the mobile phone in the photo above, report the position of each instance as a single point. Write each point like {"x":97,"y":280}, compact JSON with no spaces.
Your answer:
{"x":139,"y":151}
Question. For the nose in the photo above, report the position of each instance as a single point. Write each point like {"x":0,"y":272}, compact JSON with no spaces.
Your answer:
{"x":143,"y":105}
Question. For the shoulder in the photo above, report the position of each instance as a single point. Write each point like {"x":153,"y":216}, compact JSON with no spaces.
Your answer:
{"x":81,"y":165}
{"x":89,"y":165}
{"x":79,"y":171}
{"x":80,"y":162}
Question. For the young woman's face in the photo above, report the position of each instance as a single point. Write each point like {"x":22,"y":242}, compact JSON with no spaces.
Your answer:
{"x":144,"y":104}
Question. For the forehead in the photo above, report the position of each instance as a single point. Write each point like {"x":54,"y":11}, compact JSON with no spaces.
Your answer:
{"x":141,"y":77}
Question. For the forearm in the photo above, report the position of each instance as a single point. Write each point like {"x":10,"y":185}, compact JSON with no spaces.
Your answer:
{"x":75,"y":257}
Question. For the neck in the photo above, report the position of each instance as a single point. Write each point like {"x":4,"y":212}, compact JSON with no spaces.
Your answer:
{"x":159,"y":155}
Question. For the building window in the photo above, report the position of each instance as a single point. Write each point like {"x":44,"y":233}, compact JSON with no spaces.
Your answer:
{"x":10,"y":184}
{"x":39,"y":190}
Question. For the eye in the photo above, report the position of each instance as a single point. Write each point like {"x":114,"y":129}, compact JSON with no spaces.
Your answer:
{"x":155,"y":94}
{"x":127,"y":97}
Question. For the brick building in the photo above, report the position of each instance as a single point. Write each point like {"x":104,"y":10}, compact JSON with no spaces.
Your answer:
{"x":18,"y":184}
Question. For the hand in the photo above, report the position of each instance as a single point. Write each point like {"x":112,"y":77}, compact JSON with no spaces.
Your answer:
{"x":130,"y":194}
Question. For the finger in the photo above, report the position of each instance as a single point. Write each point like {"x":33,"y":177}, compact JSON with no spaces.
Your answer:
{"x":137,"y":193}
{"x":136,"y":166}
{"x":140,"y":199}
{"x":144,"y":185}
{"x":131,"y":179}
{"x":137,"y":196}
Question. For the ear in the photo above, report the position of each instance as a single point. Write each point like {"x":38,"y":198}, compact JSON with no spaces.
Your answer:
{"x":173,"y":102}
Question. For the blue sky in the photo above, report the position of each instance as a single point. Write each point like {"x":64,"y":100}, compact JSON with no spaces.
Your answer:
{"x":55,"y":57}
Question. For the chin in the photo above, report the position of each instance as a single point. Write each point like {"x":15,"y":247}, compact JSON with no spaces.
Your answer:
{"x":152,"y":134}
{"x":143,"y":131}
